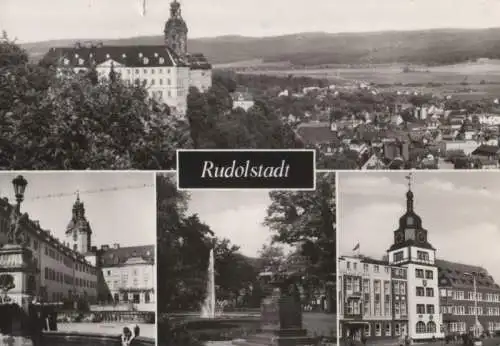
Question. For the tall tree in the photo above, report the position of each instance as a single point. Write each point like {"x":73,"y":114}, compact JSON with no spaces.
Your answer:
{"x":307,"y":220}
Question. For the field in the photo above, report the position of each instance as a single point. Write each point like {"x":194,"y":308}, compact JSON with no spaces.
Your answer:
{"x":471,"y":80}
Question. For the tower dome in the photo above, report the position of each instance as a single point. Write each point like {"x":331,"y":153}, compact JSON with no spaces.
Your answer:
{"x":176,"y":30}
{"x":78,"y":231}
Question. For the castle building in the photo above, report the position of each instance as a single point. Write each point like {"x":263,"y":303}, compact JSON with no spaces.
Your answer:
{"x":166,"y":71}
{"x":41,"y":265}
{"x":73,"y":270}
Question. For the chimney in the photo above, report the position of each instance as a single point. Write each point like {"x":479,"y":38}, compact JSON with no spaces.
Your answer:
{"x":116,"y":246}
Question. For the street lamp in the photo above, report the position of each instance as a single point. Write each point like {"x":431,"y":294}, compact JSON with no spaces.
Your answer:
{"x":476,"y":325}
{"x":19,"y":184}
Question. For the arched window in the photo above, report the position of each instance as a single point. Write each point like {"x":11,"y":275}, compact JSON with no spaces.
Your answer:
{"x":431,"y":327}
{"x":421,"y":327}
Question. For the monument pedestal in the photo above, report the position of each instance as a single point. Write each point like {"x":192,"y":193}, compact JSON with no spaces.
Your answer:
{"x":281,"y":324}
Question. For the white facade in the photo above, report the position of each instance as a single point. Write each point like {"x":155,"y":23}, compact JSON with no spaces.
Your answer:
{"x":132,"y":282}
{"x":424,"y":318}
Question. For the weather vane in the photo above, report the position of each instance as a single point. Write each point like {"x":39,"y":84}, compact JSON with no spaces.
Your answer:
{"x":409,"y":177}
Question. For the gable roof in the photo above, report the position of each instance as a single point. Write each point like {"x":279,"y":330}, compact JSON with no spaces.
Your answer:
{"x":316,"y":133}
{"x":455,"y":274}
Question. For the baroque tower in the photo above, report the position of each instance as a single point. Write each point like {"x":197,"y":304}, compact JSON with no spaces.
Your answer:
{"x":176,"y":31}
{"x":412,"y":250}
{"x":78,"y":232}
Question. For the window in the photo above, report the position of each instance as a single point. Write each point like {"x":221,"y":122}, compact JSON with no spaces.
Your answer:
{"x":429,"y":292}
{"x":429,"y":274}
{"x":348,"y":265}
{"x":431,"y":327}
{"x":420,"y":292}
{"x":397,"y":330}
{"x":355,"y":266}
{"x":145,"y":71}
{"x":421,"y":327}
{"x":376,"y":269}
{"x":378,"y":331}
{"x":387,"y":329}
{"x":397,"y":256}
{"x":420,"y":309}
{"x":419,"y":273}
{"x":442,"y":292}
{"x":430,"y":309}
{"x":422,"y":256}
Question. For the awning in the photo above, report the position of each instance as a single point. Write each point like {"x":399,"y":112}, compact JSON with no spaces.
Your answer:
{"x":360,"y":323}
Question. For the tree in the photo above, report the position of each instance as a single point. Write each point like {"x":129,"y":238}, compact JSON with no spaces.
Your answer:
{"x":64,"y":120}
{"x":234,"y":272}
{"x":307,"y":220}
{"x":271,"y":257}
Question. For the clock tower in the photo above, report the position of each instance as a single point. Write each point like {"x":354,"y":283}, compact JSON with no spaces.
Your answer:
{"x":411,"y":250}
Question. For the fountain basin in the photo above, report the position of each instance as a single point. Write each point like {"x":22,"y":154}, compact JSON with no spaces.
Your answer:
{"x":90,"y":339}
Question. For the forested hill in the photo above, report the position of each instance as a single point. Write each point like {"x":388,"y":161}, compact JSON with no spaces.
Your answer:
{"x":431,"y":47}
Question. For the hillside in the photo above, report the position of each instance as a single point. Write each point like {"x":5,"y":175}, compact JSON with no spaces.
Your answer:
{"x":431,"y":47}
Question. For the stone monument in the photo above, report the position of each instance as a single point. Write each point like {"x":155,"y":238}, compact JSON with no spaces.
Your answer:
{"x":281,"y":319}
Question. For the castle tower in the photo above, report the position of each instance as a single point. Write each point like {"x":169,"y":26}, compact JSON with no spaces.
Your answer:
{"x":412,"y":250}
{"x":78,"y":232}
{"x":176,"y":30}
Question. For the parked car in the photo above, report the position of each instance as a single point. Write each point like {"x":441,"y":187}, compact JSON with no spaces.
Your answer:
{"x":478,"y":342}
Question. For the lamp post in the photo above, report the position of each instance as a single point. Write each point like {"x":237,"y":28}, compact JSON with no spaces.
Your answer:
{"x":476,"y":318}
{"x":19,"y":184}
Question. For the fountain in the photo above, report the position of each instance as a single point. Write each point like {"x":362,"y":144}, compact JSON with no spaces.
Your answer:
{"x":208,"y":307}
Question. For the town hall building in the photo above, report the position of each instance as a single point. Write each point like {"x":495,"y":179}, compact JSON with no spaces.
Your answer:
{"x":166,"y":71}
{"x":411,"y":292}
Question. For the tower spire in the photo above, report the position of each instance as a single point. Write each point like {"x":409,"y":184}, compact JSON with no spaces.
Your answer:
{"x":409,"y":194}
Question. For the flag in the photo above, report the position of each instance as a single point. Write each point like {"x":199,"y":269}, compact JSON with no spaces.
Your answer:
{"x":356,"y":247}
{"x":143,"y":7}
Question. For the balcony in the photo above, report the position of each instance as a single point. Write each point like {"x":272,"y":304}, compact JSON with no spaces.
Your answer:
{"x":353,"y":295}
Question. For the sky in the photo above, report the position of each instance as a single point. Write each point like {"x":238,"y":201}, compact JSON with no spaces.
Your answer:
{"x":126,"y":216}
{"x":40,"y":20}
{"x":460,"y":212}
{"x":235,"y":215}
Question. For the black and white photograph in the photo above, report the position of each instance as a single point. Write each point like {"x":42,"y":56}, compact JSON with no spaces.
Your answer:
{"x":121,"y":84}
{"x":77,"y":259}
{"x":246,"y":268}
{"x":418,"y":258}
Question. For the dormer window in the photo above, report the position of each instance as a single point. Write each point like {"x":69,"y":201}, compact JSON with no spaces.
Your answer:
{"x":107,"y":56}
{"x":77,"y":56}
{"x":80,"y":61}
{"x":66,"y":61}
{"x":140,"y":55}
{"x":124,"y":56}
{"x":162,"y":61}
{"x":156,"y":55}
{"x":146,"y":61}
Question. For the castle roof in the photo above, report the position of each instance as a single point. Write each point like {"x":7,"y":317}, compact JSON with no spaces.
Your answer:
{"x":114,"y":257}
{"x":127,"y":56}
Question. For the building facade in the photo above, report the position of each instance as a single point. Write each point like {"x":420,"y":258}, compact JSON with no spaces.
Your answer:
{"x":459,"y":299}
{"x":72,"y":270}
{"x":372,"y":298}
{"x":129,"y":275}
{"x":167,"y":72}
{"x":430,"y":298}
{"x":41,"y":265}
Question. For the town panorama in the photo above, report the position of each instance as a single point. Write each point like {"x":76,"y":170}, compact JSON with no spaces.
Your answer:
{"x":399,"y":99}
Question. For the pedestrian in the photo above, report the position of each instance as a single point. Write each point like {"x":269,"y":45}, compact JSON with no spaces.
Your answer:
{"x":129,"y":334}
{"x":363,"y":339}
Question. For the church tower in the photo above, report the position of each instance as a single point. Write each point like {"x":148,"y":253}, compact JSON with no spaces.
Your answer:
{"x":411,"y":250}
{"x":176,"y":30}
{"x":78,"y":232}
